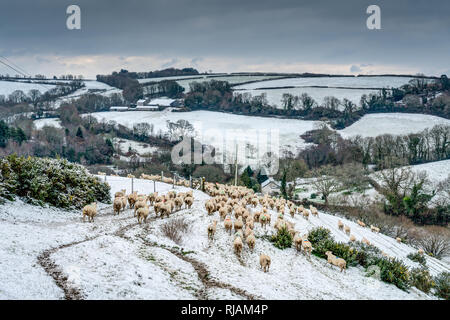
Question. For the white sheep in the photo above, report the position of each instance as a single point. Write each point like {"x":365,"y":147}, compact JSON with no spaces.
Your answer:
{"x":341,"y":263}
{"x":264,"y":262}
{"x":90,"y":210}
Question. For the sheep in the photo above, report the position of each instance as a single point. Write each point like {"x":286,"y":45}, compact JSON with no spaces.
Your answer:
{"x":298,"y":241}
{"x":264,"y":220}
{"x":306,"y":246}
{"x":365,"y":241}
{"x":212,"y":229}
{"x":362,"y":224}
{"x":399,"y":240}
{"x":117,"y":205}
{"x":237,"y":244}
{"x":420,"y":251}
{"x":142,"y":214}
{"x":223,"y":212}
{"x":341,"y":263}
{"x":251,"y":240}
{"x":264,"y":262}
{"x":347,"y":229}
{"x":178,"y":203}
{"x":165,"y":209}
{"x":228,"y":224}
{"x":152,"y":197}
{"x":247,"y":232}
{"x":292,"y":211}
{"x":189,"y":200}
{"x":120,"y":193}
{"x":314,"y":211}
{"x":340,"y":225}
{"x":139,"y":204}
{"x":124,"y":202}
{"x":132,"y":198}
{"x":238,"y":224}
{"x":256,"y":216}
{"x":374,"y":229}
{"x":90,"y":210}
{"x":305,"y":214}
{"x":352,"y":238}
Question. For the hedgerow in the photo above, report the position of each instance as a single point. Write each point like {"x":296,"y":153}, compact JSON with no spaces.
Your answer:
{"x":57,"y":182}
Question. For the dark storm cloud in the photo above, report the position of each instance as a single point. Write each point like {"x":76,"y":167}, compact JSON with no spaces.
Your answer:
{"x":413,"y":32}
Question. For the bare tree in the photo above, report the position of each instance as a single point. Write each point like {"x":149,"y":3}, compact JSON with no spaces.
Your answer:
{"x":326,"y":183}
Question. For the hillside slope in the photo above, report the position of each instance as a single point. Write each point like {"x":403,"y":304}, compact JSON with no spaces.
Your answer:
{"x":115,"y":258}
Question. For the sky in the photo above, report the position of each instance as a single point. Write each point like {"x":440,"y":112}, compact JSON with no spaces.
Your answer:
{"x":226,"y":36}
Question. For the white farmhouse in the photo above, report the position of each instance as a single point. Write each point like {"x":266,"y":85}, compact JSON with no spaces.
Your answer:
{"x":270,"y":186}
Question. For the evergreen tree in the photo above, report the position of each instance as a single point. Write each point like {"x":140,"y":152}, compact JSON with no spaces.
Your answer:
{"x":283,"y":186}
{"x":79,"y":133}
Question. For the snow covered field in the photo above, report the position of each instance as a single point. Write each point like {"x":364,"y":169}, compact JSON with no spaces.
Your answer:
{"x":8,"y":87}
{"x":40,"y":123}
{"x":115,"y":258}
{"x":338,"y":87}
{"x":372,"y":125}
{"x":275,"y":96}
{"x":139,"y":147}
{"x":210,"y":126}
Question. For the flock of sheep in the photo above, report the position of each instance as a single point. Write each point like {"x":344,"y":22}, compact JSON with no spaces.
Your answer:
{"x":239,"y":202}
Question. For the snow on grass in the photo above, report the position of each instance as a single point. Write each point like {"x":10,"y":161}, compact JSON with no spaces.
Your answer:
{"x":347,"y":82}
{"x":275,"y":96}
{"x":8,"y":87}
{"x":52,"y":122}
{"x":372,"y":125}
{"x":114,"y":266}
{"x":205,"y":121}
{"x":139,"y":147}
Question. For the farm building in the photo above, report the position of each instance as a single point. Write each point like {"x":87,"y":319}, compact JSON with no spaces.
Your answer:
{"x":270,"y":186}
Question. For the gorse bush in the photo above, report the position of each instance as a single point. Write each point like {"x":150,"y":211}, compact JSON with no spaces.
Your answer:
{"x":442,"y":285}
{"x":282,"y":239}
{"x":417,"y":257}
{"x":421,"y":279}
{"x":391,"y":270}
{"x":57,"y":182}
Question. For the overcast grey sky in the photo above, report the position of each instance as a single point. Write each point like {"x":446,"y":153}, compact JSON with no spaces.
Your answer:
{"x":226,"y":36}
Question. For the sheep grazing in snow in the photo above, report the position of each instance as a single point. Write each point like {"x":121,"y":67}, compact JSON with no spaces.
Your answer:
{"x":307,"y":247}
{"x":347,"y":229}
{"x":139,"y":204}
{"x":90,"y":211}
{"x":341,"y":263}
{"x":421,"y":251}
{"x":120,"y":193}
{"x":352,"y":238}
{"x":152,"y":197}
{"x":189,"y":200}
{"x":178,"y":203}
{"x":251,"y":241}
{"x":142,"y":214}
{"x":132,"y":198}
{"x":340,"y":225}
{"x":228,"y":224}
{"x":292,"y":211}
{"x":210,"y":207}
{"x":399,"y":240}
{"x":256,"y":216}
{"x":374,"y":229}
{"x":314,"y":211}
{"x":238,"y":224}
{"x":362,"y":224}
{"x":247,"y":232}
{"x":298,"y":241}
{"x":237,"y":244}
{"x":264,"y":220}
{"x":305,"y":214}
{"x":264,"y":262}
{"x":165,"y":209}
{"x":223,"y":211}
{"x":117,"y":205}
{"x":212,"y":229}
{"x":365,"y":241}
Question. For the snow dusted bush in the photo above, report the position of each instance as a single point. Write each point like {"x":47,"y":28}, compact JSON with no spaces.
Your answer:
{"x":421,"y":279}
{"x":391,"y":270}
{"x":57,"y":182}
{"x":282,"y":239}
{"x":442,"y":285}
{"x":175,"y":228}
{"x":417,"y":257}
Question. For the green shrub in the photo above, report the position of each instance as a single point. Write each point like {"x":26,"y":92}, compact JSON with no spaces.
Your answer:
{"x":313,"y":196}
{"x":366,"y":255}
{"x":442,"y":285}
{"x":319,"y":234}
{"x":57,"y":182}
{"x":421,"y":279}
{"x":282,"y":239}
{"x":417,"y":257}
{"x":393,"y":271}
